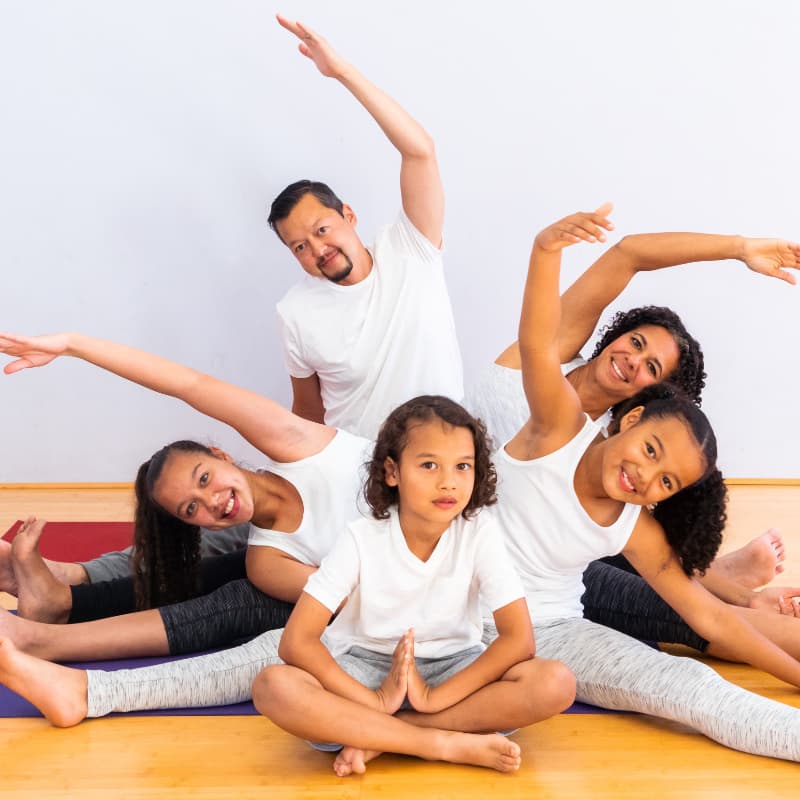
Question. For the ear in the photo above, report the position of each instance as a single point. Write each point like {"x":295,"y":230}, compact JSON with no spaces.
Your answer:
{"x":390,"y":472}
{"x":349,"y":214}
{"x":221,"y":454}
{"x":631,"y":418}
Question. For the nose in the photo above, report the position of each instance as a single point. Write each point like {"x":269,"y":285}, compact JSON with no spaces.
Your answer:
{"x":647,"y":474}
{"x":213,"y":500}
{"x":317,"y":248}
{"x":448,"y":478}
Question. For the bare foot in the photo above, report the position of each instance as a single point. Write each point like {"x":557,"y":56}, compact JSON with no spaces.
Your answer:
{"x":492,"y":750}
{"x":58,"y":692}
{"x":353,"y":760}
{"x":755,"y":564}
{"x":8,"y":581}
{"x":40,"y":595}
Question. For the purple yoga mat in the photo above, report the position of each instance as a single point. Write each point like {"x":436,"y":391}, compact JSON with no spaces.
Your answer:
{"x":12,"y":705}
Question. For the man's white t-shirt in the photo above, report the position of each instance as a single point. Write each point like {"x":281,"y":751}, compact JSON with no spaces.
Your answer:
{"x":379,"y":342}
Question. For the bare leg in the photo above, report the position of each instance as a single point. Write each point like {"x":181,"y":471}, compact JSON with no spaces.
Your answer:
{"x":40,"y":595}
{"x":68,"y":572}
{"x":528,"y":692}
{"x":781,"y":629}
{"x":297,"y":702}
{"x":58,"y":692}
{"x":755,"y":564}
{"x":8,"y":581}
{"x":139,"y":634}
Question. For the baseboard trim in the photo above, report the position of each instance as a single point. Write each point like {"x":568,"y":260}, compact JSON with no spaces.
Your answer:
{"x":48,"y":487}
{"x":56,"y":487}
{"x":762,"y":481}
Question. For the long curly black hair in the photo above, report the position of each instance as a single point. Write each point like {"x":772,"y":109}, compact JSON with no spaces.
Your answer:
{"x":690,"y":374}
{"x":166,"y":550}
{"x":694,"y":518}
{"x":393,"y":438}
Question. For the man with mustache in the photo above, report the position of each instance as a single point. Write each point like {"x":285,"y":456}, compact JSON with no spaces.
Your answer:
{"x":369,"y":327}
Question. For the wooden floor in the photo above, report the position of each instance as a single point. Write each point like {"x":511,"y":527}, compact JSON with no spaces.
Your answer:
{"x":572,"y":756}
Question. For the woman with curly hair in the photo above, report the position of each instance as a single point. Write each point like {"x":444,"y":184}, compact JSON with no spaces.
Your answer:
{"x":636,"y":349}
{"x":568,"y":495}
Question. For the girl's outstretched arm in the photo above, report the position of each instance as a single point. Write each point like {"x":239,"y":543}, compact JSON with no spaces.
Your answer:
{"x":268,"y":426}
{"x":556,"y":413}
{"x":587,"y":298}
{"x":650,"y":553}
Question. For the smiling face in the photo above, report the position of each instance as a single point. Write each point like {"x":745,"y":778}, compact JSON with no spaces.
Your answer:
{"x":205,"y":490}
{"x":323,"y":241}
{"x":435,"y":475}
{"x":651,"y":459}
{"x":643,"y":356}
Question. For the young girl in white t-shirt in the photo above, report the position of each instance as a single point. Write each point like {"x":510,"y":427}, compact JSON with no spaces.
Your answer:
{"x":402,"y":667}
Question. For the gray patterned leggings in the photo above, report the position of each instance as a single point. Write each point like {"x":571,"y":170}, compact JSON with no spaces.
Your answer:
{"x":612,"y":670}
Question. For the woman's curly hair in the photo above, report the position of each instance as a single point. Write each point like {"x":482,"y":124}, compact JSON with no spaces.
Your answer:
{"x":690,"y":374}
{"x":393,"y":438}
{"x":694,"y":518}
{"x":166,"y":550}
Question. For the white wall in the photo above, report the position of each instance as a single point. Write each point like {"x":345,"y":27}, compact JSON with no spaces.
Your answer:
{"x":143,"y":141}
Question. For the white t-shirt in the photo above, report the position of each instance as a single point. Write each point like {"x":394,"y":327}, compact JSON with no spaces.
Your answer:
{"x":549,"y":536}
{"x":379,"y":342}
{"x":391,"y":590}
{"x":329,"y":484}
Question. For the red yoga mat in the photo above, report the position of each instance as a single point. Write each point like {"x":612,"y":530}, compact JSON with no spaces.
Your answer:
{"x":79,"y":541}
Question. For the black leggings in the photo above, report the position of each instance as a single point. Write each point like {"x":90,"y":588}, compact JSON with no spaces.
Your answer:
{"x":110,"y":598}
{"x":618,"y":597}
{"x":235,"y":612}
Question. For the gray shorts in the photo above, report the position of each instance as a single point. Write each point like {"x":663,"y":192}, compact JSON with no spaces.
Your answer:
{"x":370,"y":669}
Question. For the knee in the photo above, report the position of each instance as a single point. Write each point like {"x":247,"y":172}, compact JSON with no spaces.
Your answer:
{"x":553,"y":686}
{"x":271,"y":687}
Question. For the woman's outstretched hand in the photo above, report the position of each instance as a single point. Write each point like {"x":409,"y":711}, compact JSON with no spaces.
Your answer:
{"x":31,"y":351}
{"x":772,"y":257}
{"x":585,"y":226}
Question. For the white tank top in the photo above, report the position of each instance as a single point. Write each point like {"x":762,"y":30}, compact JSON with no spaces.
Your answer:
{"x":497,"y":398}
{"x":329,"y":484}
{"x":549,"y":536}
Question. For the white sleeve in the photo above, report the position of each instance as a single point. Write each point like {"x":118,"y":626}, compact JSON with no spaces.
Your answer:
{"x":406,"y":238}
{"x":498,"y":581}
{"x":338,"y":574}
{"x":292,"y":352}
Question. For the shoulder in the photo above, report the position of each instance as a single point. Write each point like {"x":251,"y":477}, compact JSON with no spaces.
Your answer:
{"x":402,"y":238}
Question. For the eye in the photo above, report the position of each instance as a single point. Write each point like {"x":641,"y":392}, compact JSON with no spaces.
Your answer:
{"x":428,"y":465}
{"x":651,"y":368}
{"x":299,"y":248}
{"x":651,"y":451}
{"x":636,"y":342}
{"x":323,"y":230}
{"x":666,"y":482}
{"x":190,"y":509}
{"x":463,"y":466}
{"x":203,"y":479}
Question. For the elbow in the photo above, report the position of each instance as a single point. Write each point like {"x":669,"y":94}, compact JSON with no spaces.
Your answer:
{"x":424,"y":148}
{"x":287,"y":652}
